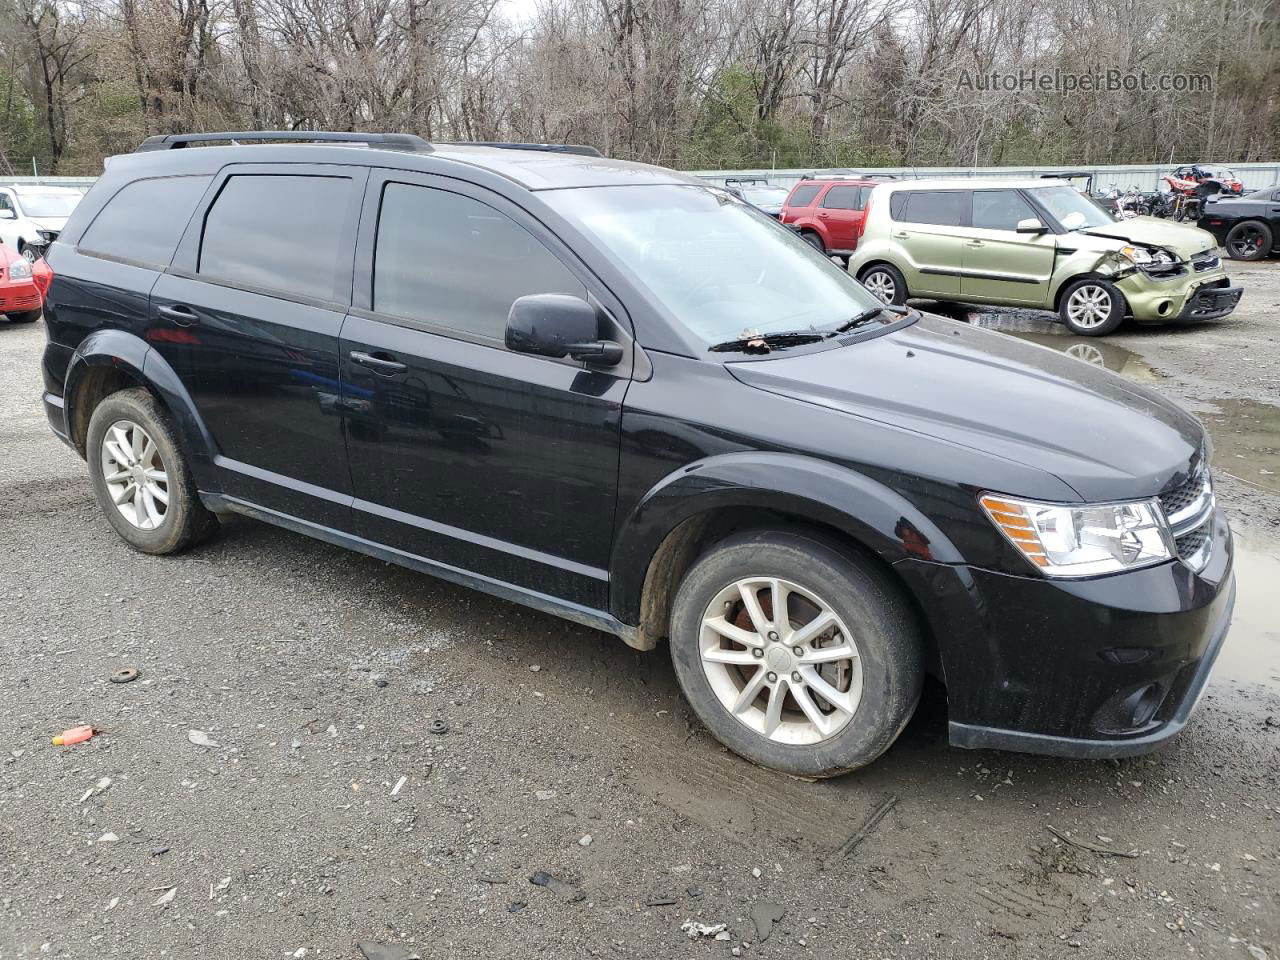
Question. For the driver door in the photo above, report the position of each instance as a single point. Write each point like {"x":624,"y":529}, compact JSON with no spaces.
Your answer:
{"x":463,"y":452}
{"x":1001,"y":265}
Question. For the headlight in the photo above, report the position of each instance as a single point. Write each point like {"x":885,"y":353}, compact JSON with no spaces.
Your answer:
{"x":1083,"y":540}
{"x":19,"y":270}
{"x":1144,"y":256}
{"x":46,"y":235}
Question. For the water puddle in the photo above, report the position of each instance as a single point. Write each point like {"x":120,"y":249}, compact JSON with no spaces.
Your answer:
{"x":1252,"y":651}
{"x":1246,"y":440}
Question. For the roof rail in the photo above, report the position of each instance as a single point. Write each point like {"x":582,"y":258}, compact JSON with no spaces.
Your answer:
{"x":390,"y":141}
{"x":575,"y":148}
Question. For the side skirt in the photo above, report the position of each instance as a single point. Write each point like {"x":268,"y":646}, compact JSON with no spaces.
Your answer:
{"x":586,"y":616}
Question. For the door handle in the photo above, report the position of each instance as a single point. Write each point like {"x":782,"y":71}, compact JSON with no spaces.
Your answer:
{"x":974,"y":243}
{"x":822,"y":215}
{"x":383,"y":366}
{"x":180,"y":314}
{"x":900,"y":236}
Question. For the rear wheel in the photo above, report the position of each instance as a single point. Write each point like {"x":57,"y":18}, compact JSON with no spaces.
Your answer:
{"x":1092,"y":307}
{"x":794,"y":654}
{"x":885,"y":282}
{"x":1249,"y":241}
{"x":139,"y":477}
{"x":27,"y":316}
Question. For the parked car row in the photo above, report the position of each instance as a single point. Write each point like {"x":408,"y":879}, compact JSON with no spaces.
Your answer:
{"x":622,"y":396}
{"x":32,"y":216}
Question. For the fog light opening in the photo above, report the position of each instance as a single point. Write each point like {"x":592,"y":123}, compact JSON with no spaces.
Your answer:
{"x":1164,"y":307}
{"x":1145,"y":703}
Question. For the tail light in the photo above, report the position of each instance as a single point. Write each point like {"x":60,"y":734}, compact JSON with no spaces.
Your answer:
{"x":42,"y":275}
{"x":862,"y":224}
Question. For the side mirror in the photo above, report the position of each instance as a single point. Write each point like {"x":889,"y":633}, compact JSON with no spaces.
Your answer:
{"x":1030,"y":225}
{"x":555,"y":325}
{"x":8,"y":214}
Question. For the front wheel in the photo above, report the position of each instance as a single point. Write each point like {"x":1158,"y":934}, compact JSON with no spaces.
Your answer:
{"x":886,"y":283}
{"x":1249,"y":241}
{"x":27,"y":316}
{"x":140,"y":479}
{"x":796,"y":655}
{"x":1092,"y":307}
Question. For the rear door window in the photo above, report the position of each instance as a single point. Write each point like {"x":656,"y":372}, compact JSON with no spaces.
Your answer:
{"x":945,"y":208}
{"x":803,"y":196}
{"x":454,"y":262}
{"x":282,"y":233}
{"x":143,"y":222}
{"x":1000,"y":209}
{"x":845,"y":198}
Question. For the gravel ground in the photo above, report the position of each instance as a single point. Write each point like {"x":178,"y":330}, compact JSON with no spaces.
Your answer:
{"x":329,"y":814}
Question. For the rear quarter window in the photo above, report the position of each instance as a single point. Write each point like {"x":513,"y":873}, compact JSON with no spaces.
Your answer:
{"x":143,"y":222}
{"x":803,"y":196}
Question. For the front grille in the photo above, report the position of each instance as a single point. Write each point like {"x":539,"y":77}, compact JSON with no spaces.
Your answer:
{"x":1189,"y":544}
{"x":20,"y":303}
{"x":1177,"y":500}
{"x":1205,"y":261}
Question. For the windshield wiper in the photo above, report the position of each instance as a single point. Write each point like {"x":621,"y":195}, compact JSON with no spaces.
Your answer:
{"x":766,"y":342}
{"x":866,"y":316}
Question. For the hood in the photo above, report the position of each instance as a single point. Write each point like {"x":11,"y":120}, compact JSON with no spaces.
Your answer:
{"x":1105,"y":437}
{"x":49,"y":223}
{"x":1186,"y":241}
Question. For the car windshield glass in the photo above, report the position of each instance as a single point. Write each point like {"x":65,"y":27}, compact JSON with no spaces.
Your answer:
{"x":720,"y":267}
{"x":1071,"y":208}
{"x":55,"y":205}
{"x":774,"y":195}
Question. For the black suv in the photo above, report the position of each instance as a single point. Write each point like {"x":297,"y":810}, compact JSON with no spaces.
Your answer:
{"x":617,"y":394}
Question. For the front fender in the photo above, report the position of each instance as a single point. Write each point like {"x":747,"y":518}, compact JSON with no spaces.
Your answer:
{"x":132,"y":356}
{"x":815,"y":490}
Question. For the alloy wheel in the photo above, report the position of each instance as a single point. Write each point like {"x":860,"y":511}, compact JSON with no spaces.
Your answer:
{"x":137,"y":481}
{"x":880,"y":285}
{"x":1247,"y":242}
{"x":29,"y":255}
{"x":780,"y":660}
{"x":1089,"y":306}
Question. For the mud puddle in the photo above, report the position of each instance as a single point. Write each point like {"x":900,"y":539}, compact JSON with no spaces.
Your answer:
{"x":1251,"y":653}
{"x":1246,"y":433}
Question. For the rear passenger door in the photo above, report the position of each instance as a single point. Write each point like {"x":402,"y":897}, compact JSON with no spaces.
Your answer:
{"x":462,"y":451}
{"x":248,"y":316}
{"x":930,"y":228}
{"x":841,"y":214}
{"x":800,"y":203}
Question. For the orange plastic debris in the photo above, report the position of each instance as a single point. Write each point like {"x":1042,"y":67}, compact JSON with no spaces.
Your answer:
{"x":75,"y":735}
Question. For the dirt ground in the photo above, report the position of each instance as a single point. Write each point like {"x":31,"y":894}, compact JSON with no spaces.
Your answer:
{"x":328,"y":814}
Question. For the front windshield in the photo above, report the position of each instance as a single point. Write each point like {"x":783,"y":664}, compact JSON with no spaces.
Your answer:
{"x":1071,"y":208}
{"x":719,"y":266}
{"x":775,"y":196}
{"x":53,"y":205}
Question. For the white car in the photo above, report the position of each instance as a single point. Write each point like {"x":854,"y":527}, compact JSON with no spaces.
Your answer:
{"x":32,"y":216}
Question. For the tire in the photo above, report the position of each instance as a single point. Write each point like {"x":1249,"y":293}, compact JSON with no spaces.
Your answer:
{"x":879,"y":688}
{"x":1250,"y":240}
{"x":164,"y":528}
{"x":28,"y":253}
{"x":1092,"y":307}
{"x":885,"y":282}
{"x":27,"y":316}
{"x":813,"y":240}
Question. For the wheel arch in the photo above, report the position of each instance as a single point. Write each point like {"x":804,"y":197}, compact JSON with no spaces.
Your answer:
{"x":108,"y":361}
{"x":699,"y":505}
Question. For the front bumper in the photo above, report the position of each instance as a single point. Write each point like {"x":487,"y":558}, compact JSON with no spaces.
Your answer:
{"x":21,"y":297}
{"x":1108,"y":667}
{"x":1191,"y":295}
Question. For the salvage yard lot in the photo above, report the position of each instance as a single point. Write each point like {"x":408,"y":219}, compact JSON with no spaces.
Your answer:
{"x":318,"y":674}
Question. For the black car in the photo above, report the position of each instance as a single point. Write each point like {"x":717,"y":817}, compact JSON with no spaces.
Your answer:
{"x":1248,"y":226}
{"x":619,"y":395}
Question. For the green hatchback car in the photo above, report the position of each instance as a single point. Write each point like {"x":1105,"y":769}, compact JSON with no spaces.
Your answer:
{"x":1041,"y":244}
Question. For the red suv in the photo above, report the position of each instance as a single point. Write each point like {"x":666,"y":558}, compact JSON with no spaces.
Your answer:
{"x":829,"y":211}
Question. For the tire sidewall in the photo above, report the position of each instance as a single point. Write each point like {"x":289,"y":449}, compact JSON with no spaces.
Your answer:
{"x":899,"y":281}
{"x":1113,"y":321}
{"x":175,"y":530}
{"x":891,"y":671}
